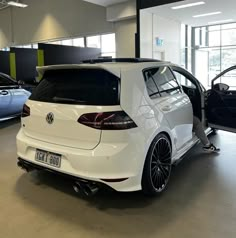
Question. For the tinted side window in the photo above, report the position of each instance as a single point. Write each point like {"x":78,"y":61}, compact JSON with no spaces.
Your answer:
{"x":5,"y":81}
{"x":160,"y":81}
{"x":78,"y":86}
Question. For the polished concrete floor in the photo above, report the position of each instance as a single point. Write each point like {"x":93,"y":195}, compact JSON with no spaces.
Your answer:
{"x":200,"y":200}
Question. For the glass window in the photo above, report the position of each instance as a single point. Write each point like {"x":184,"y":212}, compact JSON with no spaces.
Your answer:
{"x":229,"y":79}
{"x":151,"y":85}
{"x":183,"y":80}
{"x":228,"y":26}
{"x":161,"y":82}
{"x":78,"y":42}
{"x":27,"y":46}
{"x":183,"y":58}
{"x":111,"y":55}
{"x":35,"y":46}
{"x":57,"y":42}
{"x":228,"y":57}
{"x":229,"y":37}
{"x":94,"y":41}
{"x":214,"y":63}
{"x":183,"y":43}
{"x":203,"y":33}
{"x":189,"y":36}
{"x":214,"y":28}
{"x":67,"y":42}
{"x":78,"y":86}
{"x":197,"y":36}
{"x":219,"y":54}
{"x":108,"y":43}
{"x":6,"y":49}
{"x":214,"y":38}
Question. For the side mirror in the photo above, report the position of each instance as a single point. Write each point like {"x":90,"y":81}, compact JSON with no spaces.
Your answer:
{"x":221,"y":87}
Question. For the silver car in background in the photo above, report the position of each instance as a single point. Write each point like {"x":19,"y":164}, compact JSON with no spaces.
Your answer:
{"x":12,"y":97}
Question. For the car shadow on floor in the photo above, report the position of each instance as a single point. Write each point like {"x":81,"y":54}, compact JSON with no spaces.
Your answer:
{"x":9,"y":122}
{"x":114,"y":212}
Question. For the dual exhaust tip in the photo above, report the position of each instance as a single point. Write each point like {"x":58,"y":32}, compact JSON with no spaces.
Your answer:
{"x":85,"y":188}
{"x":24,"y":166}
{"x":82,"y":187}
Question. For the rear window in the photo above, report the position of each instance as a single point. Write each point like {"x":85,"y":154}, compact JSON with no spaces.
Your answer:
{"x":78,"y":86}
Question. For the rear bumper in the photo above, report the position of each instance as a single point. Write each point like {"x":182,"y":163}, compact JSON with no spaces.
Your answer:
{"x":28,"y":166}
{"x":105,"y":162}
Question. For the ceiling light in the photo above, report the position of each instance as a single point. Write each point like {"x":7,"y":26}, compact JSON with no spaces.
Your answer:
{"x":207,"y":14}
{"x":221,"y":21}
{"x":17,"y":4}
{"x":188,"y":5}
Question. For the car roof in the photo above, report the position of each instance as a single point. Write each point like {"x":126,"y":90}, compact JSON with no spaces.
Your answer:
{"x":113,"y":66}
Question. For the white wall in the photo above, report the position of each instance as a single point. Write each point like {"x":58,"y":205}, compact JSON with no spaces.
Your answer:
{"x":5,"y":27}
{"x":125,"y":38}
{"x":146,"y":35}
{"x":122,"y":11}
{"x":45,"y":19}
{"x":170,"y":32}
{"x":152,"y":26}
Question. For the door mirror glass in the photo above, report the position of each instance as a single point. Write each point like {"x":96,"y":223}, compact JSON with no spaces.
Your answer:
{"x":221,"y":87}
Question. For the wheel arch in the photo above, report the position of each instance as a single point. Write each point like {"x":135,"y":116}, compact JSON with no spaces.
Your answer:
{"x":167,"y":133}
{"x":146,"y":178}
{"x":168,"y":136}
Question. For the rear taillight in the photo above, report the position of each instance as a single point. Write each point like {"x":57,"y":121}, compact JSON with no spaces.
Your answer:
{"x":107,"y":120}
{"x":25,"y":111}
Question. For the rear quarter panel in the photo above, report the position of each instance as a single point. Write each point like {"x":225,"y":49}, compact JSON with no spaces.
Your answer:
{"x":134,"y":101}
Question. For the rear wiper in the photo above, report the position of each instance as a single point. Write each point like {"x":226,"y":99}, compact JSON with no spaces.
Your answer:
{"x":66,"y":100}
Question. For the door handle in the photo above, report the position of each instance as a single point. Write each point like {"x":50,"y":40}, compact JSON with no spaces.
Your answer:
{"x":4,"y":92}
{"x":166,"y":108}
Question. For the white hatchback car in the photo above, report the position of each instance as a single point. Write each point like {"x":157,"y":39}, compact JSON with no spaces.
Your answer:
{"x":121,"y":123}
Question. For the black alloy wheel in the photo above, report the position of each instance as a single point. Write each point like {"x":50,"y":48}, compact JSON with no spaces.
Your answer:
{"x":157,"y":168}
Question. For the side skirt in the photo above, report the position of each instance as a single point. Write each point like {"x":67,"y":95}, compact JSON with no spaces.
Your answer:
{"x":182,"y":152}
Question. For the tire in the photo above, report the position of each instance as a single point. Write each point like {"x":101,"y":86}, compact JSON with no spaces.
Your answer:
{"x":157,"y":167}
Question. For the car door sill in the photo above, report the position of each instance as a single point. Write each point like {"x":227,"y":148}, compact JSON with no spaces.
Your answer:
{"x":184,"y":150}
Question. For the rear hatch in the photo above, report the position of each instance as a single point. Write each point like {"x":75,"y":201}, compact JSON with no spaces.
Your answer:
{"x":62,"y":97}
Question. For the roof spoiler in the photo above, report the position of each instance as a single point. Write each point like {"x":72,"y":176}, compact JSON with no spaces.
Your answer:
{"x":120,"y":60}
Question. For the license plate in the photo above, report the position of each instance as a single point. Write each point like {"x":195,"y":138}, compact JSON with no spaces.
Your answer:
{"x":48,"y":158}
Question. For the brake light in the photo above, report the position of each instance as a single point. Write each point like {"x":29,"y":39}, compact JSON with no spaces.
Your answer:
{"x":25,"y":111}
{"x":118,"y":120}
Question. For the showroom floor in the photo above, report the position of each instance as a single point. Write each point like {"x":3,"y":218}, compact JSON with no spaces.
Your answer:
{"x":199,"y":202}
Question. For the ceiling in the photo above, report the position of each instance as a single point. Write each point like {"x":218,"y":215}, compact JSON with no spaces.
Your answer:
{"x":227,"y":7}
{"x":105,"y":3}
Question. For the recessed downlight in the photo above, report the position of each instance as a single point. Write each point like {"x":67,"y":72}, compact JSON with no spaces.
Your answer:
{"x":188,"y":5}
{"x":207,"y":14}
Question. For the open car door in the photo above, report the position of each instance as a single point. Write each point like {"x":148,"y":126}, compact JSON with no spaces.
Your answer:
{"x":221,"y":101}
